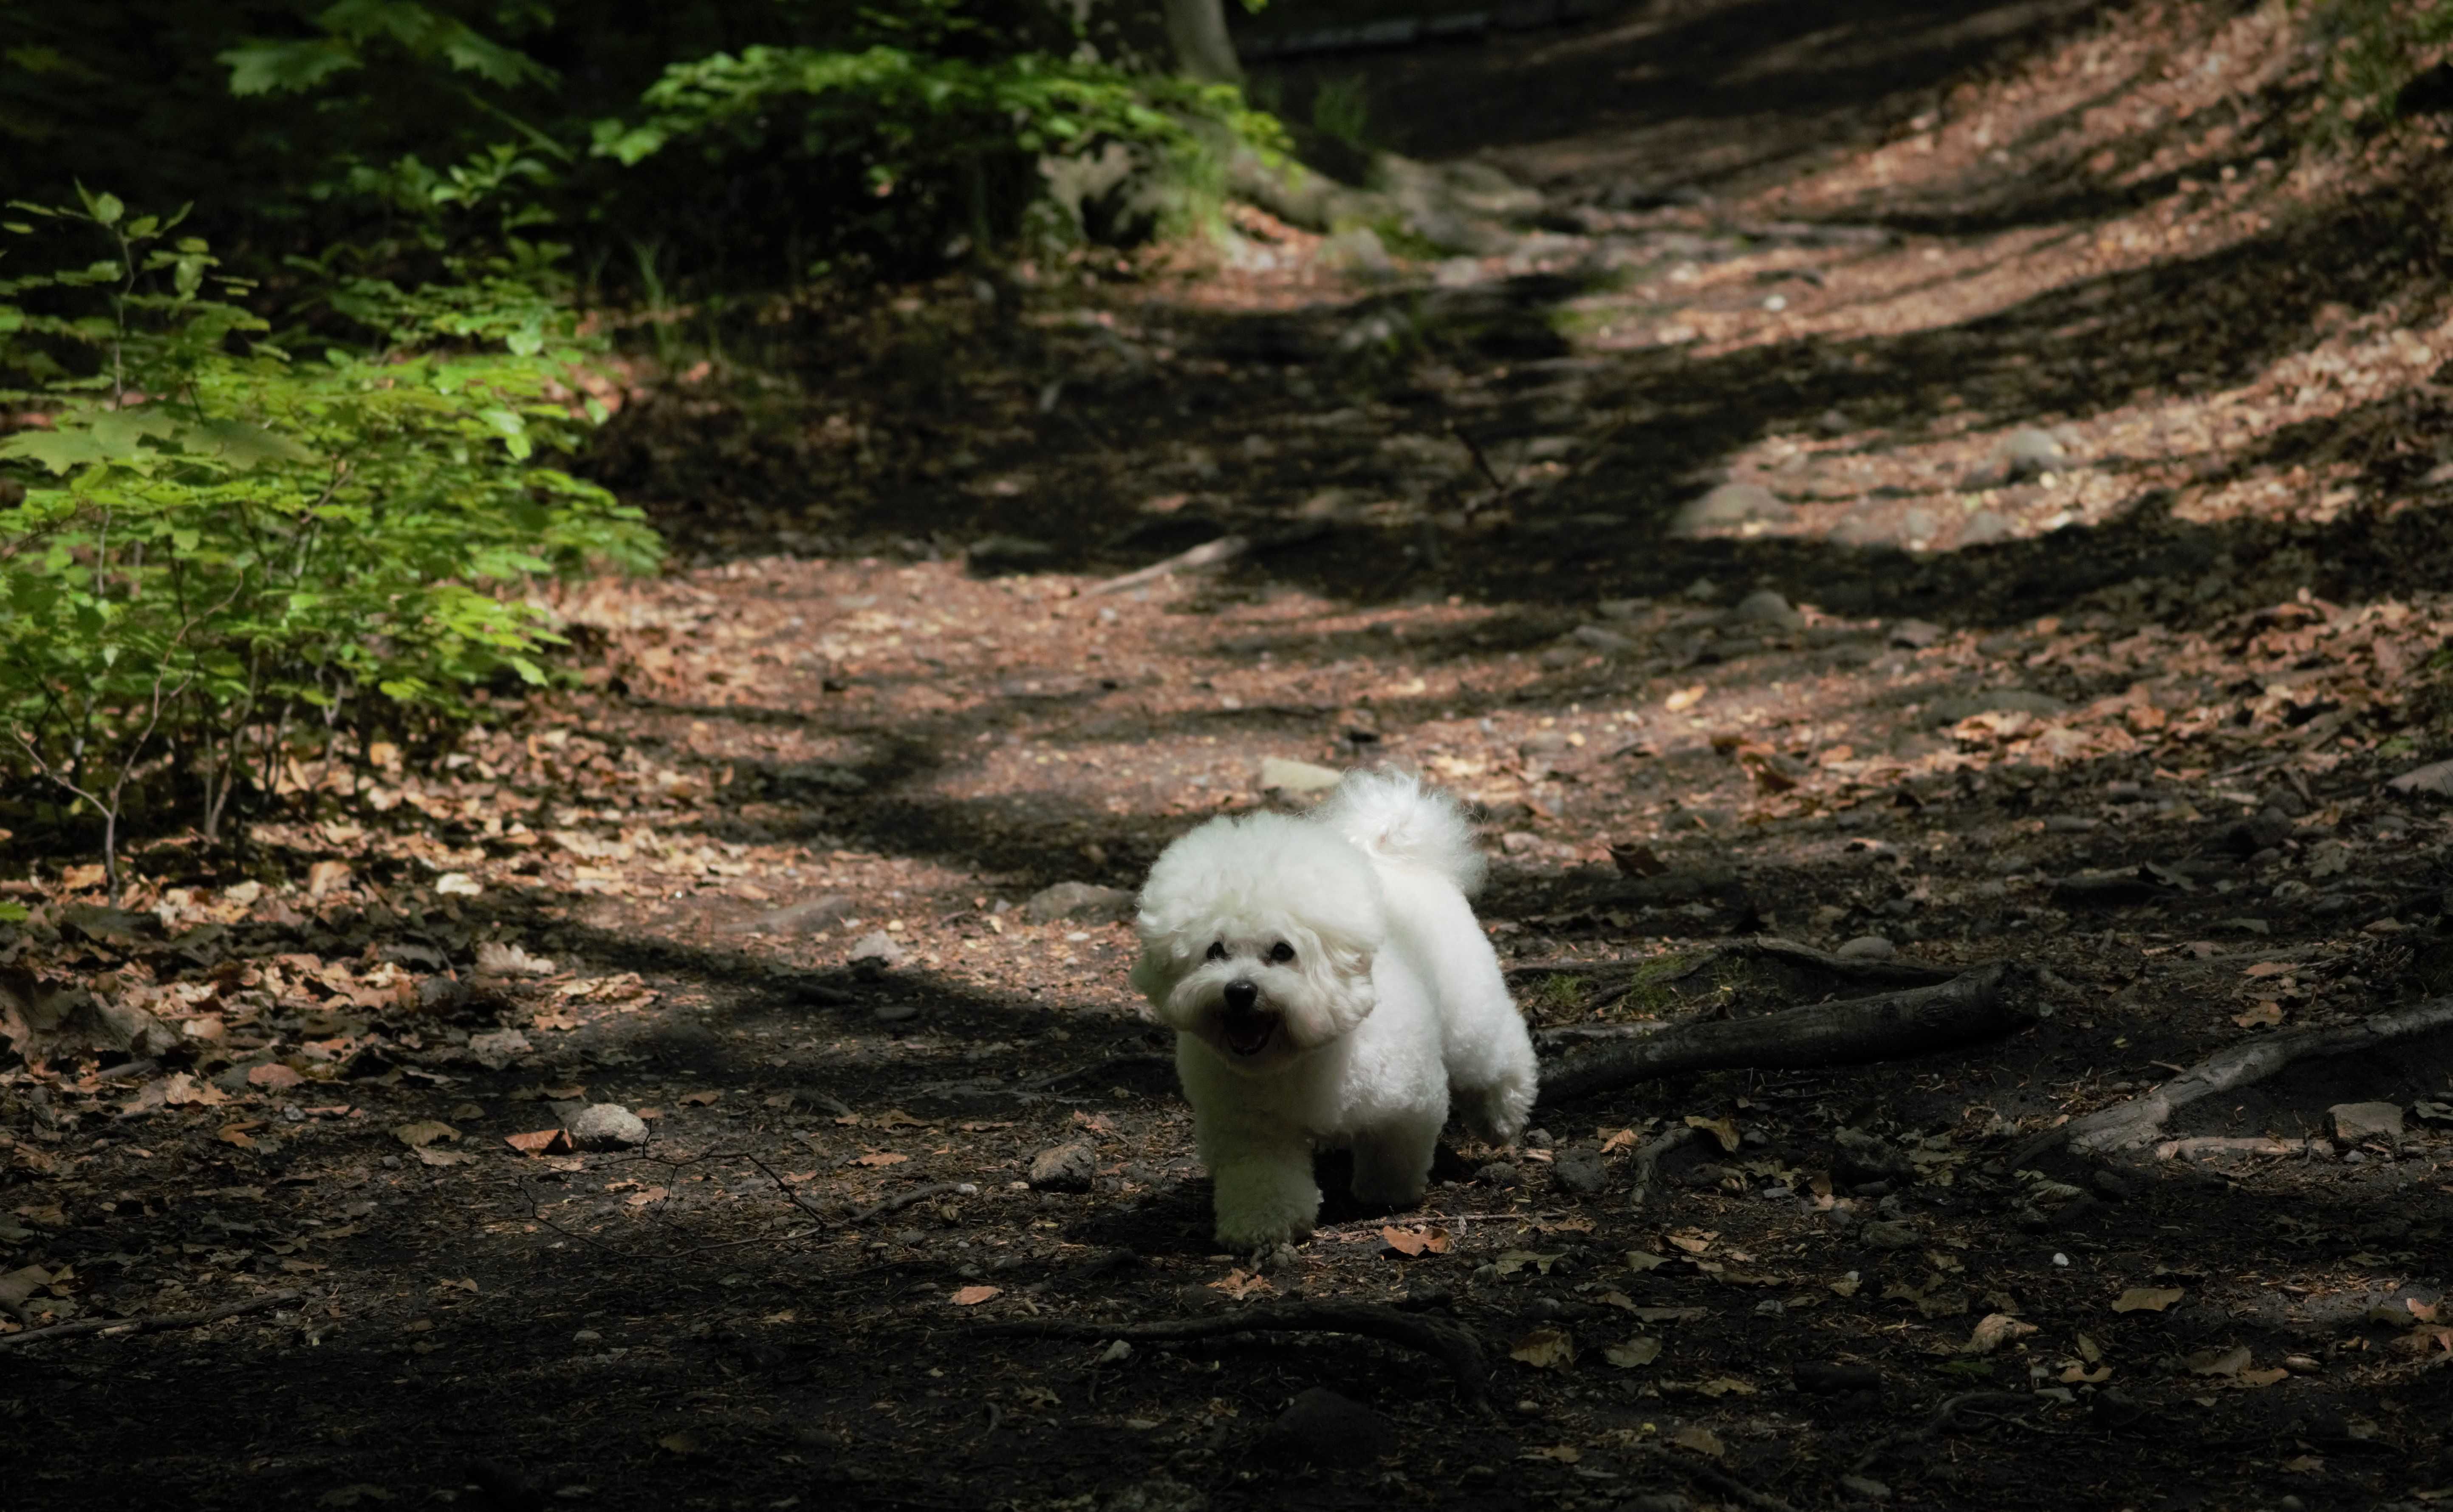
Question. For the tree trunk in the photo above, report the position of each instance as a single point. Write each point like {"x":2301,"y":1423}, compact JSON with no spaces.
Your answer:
{"x":1198,"y":31}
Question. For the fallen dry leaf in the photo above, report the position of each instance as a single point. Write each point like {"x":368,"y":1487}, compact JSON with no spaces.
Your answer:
{"x":1994,"y":1330}
{"x":1702,"y":1440}
{"x":1412,"y":1242}
{"x":1511,"y":1261}
{"x":1640,"y":1350}
{"x":2147,"y":1299}
{"x":1544,"y":1349}
{"x":876,"y":1158}
{"x":542,"y":1141}
{"x":1240,"y":1284}
{"x":1723,"y":1129}
{"x":973,"y":1296}
{"x":2265,"y":1016}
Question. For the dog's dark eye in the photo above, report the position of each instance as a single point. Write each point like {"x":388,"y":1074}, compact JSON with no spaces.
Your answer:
{"x":1217,"y":950}
{"x":1282,"y":952}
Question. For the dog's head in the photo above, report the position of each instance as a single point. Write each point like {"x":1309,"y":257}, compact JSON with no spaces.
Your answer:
{"x":1258,"y":935}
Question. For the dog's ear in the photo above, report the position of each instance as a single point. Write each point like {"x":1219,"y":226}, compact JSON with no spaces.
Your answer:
{"x":1156,"y":972}
{"x":1337,"y":968}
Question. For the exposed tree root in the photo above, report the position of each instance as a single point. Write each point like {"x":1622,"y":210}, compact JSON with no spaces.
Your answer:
{"x":1962,"y":1010}
{"x":128,"y":1327}
{"x":2141,"y":1120}
{"x":1452,"y":1345}
{"x":1754,"y":947}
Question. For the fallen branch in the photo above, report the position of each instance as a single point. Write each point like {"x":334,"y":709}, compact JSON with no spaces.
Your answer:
{"x":129,"y":1326}
{"x":1647,"y":1165}
{"x":2141,"y":1120}
{"x":1757,"y":948}
{"x":1209,"y":553}
{"x":1453,"y":1347}
{"x":2209,"y":1146}
{"x":1963,"y":1010}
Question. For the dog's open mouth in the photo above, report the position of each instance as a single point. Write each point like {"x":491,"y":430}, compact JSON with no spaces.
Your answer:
{"x":1247,"y":1032}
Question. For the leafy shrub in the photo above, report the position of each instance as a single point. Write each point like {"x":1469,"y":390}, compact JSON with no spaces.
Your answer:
{"x":220,"y":541}
{"x":915,"y":149}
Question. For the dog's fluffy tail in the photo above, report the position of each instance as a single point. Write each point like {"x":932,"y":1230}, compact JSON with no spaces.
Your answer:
{"x":1392,"y":815}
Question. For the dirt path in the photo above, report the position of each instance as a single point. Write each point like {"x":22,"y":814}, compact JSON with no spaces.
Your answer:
{"x":2005,"y":532}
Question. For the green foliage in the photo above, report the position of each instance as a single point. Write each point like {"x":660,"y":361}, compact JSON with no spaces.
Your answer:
{"x":220,"y":536}
{"x":1341,"y":109}
{"x":919,"y":146}
{"x":351,"y":28}
{"x":747,"y":141}
{"x":2377,"y":48}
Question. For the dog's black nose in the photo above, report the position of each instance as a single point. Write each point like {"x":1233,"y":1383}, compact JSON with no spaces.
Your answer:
{"x":1240,"y":996}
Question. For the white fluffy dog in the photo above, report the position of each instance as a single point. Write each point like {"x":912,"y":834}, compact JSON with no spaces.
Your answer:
{"x":1329,"y":986}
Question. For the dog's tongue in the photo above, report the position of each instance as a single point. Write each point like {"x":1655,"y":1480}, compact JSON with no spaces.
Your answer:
{"x":1247,"y":1032}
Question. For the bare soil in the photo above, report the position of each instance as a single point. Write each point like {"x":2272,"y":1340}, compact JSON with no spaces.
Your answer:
{"x":2117,"y":701}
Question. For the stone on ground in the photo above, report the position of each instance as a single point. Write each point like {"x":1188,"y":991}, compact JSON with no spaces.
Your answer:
{"x":1285,"y":775}
{"x":1083,"y":901}
{"x":606,"y":1127}
{"x":1731,"y":503}
{"x":1063,"y":1168}
{"x":2356,"y":1123}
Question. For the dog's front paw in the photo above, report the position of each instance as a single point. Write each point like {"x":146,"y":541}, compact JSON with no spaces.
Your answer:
{"x":1280,"y":1257}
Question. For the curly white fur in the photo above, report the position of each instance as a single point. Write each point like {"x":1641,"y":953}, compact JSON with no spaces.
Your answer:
{"x":1329,"y":986}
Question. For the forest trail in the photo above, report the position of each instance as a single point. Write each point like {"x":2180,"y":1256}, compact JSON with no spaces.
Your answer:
{"x":1985,"y":509}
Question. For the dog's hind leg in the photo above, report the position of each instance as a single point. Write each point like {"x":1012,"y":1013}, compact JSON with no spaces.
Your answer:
{"x":1392,"y":1161}
{"x":1500,"y":1110}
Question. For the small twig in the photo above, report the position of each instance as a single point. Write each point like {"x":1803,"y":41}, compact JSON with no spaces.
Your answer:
{"x":1944,"y":1420}
{"x":789,"y":1195}
{"x":1047,"y":1083}
{"x":1209,"y":553}
{"x":130,"y":1326}
{"x":537,"y":1212}
{"x":1454,"y":1347}
{"x":1491,"y":475}
{"x":902,"y":1199}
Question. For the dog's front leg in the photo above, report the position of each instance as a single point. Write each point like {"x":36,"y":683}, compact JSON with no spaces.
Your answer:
{"x":1266,"y":1196}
